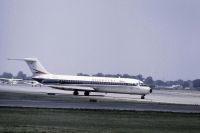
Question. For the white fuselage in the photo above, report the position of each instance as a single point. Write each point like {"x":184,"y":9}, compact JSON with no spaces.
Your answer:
{"x":99,"y":84}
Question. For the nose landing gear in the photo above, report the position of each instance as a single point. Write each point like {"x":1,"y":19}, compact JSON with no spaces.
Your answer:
{"x":143,"y":97}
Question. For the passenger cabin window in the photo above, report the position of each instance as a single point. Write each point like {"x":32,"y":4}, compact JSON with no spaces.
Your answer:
{"x":134,"y":84}
{"x":143,"y":84}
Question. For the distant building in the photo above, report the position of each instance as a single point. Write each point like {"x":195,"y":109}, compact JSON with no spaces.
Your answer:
{"x":173,"y":87}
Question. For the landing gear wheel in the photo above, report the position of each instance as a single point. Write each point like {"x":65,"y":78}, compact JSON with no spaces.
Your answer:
{"x":75,"y":93}
{"x":143,"y":96}
{"x":86,"y":93}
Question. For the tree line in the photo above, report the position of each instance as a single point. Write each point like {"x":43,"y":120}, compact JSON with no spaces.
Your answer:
{"x":20,"y":75}
{"x":150,"y":81}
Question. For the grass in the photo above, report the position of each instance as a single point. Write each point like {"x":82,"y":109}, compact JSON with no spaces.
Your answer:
{"x":30,"y":120}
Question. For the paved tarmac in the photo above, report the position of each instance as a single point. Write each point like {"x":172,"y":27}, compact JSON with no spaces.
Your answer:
{"x":164,"y":101}
{"x":102,"y":105}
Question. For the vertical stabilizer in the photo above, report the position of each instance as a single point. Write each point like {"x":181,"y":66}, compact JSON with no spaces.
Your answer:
{"x":34,"y":65}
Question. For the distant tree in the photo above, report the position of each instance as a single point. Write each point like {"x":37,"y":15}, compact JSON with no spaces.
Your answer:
{"x":133,"y":77}
{"x":159,"y":83}
{"x":99,"y":75}
{"x":82,"y":74}
{"x":196,"y":83}
{"x":169,"y":83}
{"x":140,"y":77}
{"x":119,"y":75}
{"x":126,"y":76}
{"x":111,"y":75}
{"x":21,"y":75}
{"x":7,"y":75}
{"x":186,"y":84}
{"x":190,"y":83}
{"x":149,"y":81}
{"x":179,"y":82}
{"x":108,"y":75}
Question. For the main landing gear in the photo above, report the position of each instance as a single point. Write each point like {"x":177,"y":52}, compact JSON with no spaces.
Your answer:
{"x":143,"y":96}
{"x":86,"y":93}
{"x":75,"y":93}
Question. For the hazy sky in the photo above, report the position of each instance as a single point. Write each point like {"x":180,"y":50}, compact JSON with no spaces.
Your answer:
{"x":159,"y":38}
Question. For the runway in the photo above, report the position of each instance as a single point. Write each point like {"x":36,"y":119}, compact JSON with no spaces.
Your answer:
{"x":164,"y":101}
{"x":102,"y":106}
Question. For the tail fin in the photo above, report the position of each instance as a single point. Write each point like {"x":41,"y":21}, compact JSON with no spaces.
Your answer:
{"x":34,"y":65}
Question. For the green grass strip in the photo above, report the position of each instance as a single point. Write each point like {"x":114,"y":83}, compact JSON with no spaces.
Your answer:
{"x":30,"y":120}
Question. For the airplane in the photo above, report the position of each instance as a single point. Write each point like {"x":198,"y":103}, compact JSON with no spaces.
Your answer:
{"x":10,"y":81}
{"x":87,"y":84}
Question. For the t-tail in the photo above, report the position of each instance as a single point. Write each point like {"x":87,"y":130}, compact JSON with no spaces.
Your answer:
{"x":34,"y":65}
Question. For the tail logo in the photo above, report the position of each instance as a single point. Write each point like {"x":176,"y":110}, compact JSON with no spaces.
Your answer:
{"x":38,"y":72}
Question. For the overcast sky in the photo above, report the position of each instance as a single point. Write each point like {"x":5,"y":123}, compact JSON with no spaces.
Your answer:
{"x":159,"y":38}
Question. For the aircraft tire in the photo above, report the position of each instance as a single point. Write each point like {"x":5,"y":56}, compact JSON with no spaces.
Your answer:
{"x":86,"y":93}
{"x":143,"y":97}
{"x":75,"y":93}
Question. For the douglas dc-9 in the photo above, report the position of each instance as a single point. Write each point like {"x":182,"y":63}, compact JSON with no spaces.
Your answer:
{"x":87,"y":84}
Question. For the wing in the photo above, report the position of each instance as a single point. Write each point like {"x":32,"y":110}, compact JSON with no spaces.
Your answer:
{"x":79,"y":88}
{"x":17,"y":79}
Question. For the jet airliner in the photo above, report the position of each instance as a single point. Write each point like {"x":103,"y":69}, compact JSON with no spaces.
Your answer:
{"x":87,"y":84}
